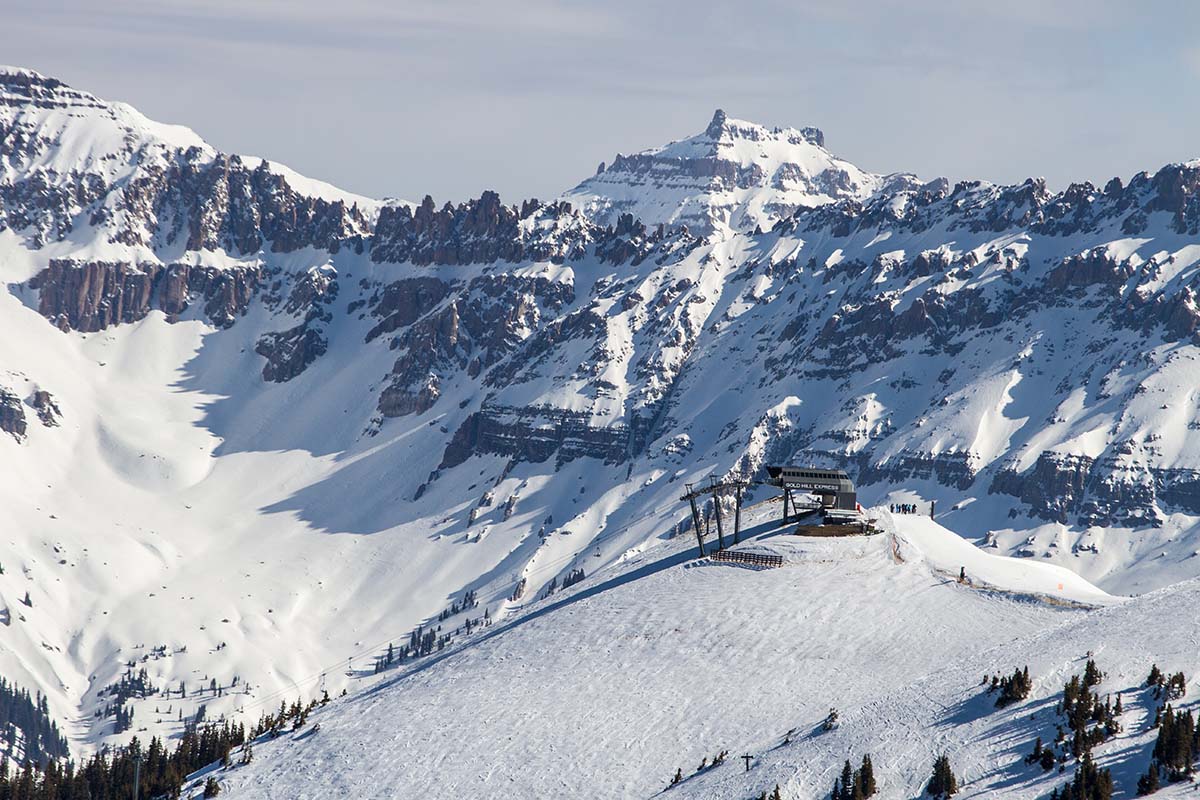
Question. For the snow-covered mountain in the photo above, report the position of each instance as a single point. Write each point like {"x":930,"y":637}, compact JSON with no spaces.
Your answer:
{"x":258,"y":428}
{"x":733,"y":176}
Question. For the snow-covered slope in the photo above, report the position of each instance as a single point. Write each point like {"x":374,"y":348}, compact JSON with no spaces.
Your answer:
{"x":733,"y":176}
{"x":949,"y":711}
{"x":606,"y":689}
{"x":255,"y":427}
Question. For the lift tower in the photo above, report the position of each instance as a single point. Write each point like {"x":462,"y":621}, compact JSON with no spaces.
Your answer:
{"x":718,"y":489}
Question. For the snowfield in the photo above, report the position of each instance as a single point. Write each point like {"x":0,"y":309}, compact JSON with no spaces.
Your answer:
{"x":606,"y":689}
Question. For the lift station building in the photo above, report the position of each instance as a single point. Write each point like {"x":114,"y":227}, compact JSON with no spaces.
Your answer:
{"x":832,"y":486}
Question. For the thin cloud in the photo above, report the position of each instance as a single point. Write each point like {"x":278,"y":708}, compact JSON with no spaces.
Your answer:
{"x":456,"y":96}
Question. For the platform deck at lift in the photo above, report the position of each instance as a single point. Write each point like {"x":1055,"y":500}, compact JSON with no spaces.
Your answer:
{"x":856,"y":529}
{"x":863,"y":528}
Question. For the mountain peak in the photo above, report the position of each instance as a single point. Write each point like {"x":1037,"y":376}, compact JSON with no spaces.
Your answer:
{"x":19,"y":86}
{"x":9,"y":69}
{"x":723,"y":128}
{"x":735,"y":175}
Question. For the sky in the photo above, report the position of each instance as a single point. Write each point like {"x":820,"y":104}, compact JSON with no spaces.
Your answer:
{"x":452,"y":97}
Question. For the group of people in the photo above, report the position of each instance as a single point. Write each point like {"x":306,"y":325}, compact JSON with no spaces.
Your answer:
{"x":904,"y":508}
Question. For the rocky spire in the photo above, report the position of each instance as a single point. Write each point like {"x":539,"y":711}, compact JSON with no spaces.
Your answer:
{"x":717,"y":126}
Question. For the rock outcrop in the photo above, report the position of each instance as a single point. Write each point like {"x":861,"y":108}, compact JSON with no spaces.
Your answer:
{"x":47,"y":409}
{"x":1078,"y":490}
{"x":441,"y":328}
{"x":537,"y":434}
{"x":290,"y":352}
{"x":12,"y":415}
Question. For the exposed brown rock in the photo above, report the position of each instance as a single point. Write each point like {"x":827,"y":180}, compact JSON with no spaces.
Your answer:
{"x":47,"y":410}
{"x":12,"y":415}
{"x":290,"y":352}
{"x":90,"y":296}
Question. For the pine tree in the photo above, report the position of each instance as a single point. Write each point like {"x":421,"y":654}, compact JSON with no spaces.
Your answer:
{"x":1014,"y":688}
{"x":942,"y":782}
{"x":1148,"y":783}
{"x":867,"y":773}
{"x":211,"y":788}
{"x":848,"y":780}
{"x":1089,"y":783}
{"x":776,"y":795}
{"x":1156,"y":676}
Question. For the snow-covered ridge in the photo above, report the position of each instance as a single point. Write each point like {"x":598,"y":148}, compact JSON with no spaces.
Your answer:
{"x":105,"y":181}
{"x":52,"y":130}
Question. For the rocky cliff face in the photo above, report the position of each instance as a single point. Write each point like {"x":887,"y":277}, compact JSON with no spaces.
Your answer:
{"x":538,"y":434}
{"x":90,"y":296}
{"x":735,"y":297}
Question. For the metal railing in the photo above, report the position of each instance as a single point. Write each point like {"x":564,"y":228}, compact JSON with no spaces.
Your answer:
{"x":753,"y":559}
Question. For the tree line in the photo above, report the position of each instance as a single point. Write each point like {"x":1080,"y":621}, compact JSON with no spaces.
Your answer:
{"x":28,"y":715}
{"x":109,"y":775}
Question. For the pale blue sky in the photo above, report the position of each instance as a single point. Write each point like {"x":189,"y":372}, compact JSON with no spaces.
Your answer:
{"x":451,"y":97}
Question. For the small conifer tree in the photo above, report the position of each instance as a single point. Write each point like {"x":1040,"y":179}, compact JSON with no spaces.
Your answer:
{"x":942,"y":783}
{"x":848,"y":779}
{"x":1156,"y":677}
{"x":867,"y":776}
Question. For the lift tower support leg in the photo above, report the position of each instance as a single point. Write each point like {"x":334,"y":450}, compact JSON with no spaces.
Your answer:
{"x":720,"y":528}
{"x":696,"y":523}
{"x":737,"y":515}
